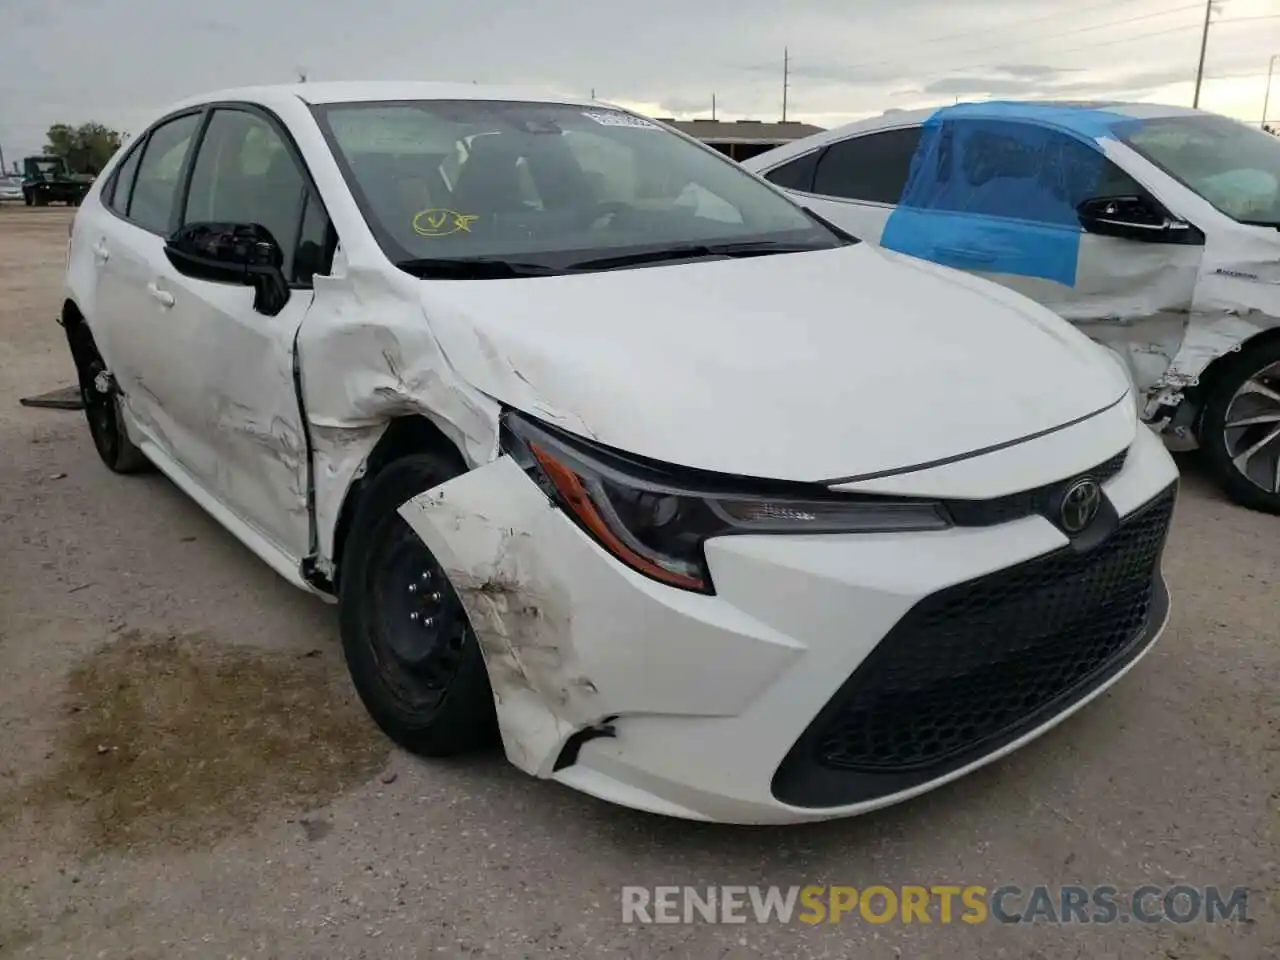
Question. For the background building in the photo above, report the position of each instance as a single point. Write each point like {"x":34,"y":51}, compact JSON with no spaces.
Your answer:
{"x":740,"y":139}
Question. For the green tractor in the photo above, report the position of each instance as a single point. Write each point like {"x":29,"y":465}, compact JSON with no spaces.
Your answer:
{"x":48,"y":179}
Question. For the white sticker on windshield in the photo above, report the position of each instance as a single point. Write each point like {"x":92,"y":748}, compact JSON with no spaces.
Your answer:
{"x":611,"y":118}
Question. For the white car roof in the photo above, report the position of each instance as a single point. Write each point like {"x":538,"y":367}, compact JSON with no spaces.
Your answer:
{"x":358,"y":91}
{"x":1058,"y":110}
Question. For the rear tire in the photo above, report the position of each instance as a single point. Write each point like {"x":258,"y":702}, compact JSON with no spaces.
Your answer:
{"x":1247,"y":387}
{"x":102,"y":410}
{"x":409,"y":647}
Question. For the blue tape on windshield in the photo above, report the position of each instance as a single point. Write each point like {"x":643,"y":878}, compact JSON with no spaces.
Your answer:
{"x":994,"y":187}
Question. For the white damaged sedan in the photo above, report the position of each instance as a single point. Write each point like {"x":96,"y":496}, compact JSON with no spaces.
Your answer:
{"x":609,"y":449}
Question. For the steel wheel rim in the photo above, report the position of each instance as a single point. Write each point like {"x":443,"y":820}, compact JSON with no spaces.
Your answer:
{"x":417,"y":627}
{"x":1251,"y":429}
{"x":104,"y":425}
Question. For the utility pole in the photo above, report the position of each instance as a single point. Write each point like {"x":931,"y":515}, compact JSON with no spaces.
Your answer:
{"x":3,"y":169}
{"x":593,"y":93}
{"x":1204,"y":43}
{"x":786,"y":77}
{"x":713,"y":106}
{"x":1266,"y":99}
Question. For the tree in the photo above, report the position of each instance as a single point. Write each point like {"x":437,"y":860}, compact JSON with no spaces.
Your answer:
{"x":86,"y":148}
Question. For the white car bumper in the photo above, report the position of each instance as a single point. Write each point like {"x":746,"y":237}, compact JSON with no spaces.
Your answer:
{"x":704,"y":707}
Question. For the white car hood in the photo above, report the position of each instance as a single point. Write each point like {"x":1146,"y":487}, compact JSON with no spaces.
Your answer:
{"x":808,"y":366}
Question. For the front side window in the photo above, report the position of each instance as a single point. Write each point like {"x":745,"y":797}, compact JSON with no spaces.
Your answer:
{"x":872,"y":167}
{"x":1233,"y":166}
{"x":1012,"y":170}
{"x":545,"y":183}
{"x":244,"y":173}
{"x":155,"y":189}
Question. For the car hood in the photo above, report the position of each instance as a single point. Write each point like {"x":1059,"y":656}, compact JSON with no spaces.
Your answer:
{"x":804,"y":366}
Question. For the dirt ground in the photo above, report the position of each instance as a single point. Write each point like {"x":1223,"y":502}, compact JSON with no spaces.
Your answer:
{"x":184,"y":770}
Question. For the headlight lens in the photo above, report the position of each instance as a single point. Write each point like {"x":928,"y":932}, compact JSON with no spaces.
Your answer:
{"x":655,"y":519}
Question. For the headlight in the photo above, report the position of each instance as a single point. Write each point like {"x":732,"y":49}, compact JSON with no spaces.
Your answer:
{"x":655,"y":518}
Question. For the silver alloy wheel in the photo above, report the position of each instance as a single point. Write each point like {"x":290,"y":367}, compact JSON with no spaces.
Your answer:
{"x":1251,"y":429}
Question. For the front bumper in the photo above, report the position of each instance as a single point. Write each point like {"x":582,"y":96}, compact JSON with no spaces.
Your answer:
{"x":829,"y":675}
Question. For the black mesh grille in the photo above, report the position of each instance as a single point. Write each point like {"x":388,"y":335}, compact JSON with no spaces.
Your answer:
{"x":977,"y":664}
{"x":1026,"y":503}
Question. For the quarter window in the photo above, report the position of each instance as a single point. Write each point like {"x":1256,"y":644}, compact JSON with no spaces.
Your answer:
{"x":155,"y":190}
{"x":873,"y":167}
{"x":796,"y":174}
{"x":122,"y":183}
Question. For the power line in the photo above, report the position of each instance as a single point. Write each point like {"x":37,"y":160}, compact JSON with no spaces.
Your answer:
{"x":1102,"y":43}
{"x":986,"y":32}
{"x":1051,"y":36}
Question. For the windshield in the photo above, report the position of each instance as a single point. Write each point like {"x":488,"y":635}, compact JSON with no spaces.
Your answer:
{"x":1233,"y":166}
{"x":548,"y":185}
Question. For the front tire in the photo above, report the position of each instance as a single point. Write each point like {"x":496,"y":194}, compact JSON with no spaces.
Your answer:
{"x":410,"y":649}
{"x":1240,"y":428}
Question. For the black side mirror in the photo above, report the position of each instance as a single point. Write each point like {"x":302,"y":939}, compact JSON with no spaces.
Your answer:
{"x":1134,"y":218}
{"x":239,"y":253}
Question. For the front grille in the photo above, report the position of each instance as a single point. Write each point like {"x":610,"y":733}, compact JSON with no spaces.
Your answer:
{"x":976,"y":665}
{"x":1026,"y":503}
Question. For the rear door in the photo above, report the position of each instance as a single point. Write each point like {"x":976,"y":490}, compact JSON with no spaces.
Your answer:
{"x":856,"y":182}
{"x":132,"y":310}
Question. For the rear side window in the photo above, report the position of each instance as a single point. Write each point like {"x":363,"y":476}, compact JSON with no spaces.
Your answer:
{"x":796,"y":174}
{"x":155,"y":191}
{"x":122,"y":183}
{"x":873,"y":167}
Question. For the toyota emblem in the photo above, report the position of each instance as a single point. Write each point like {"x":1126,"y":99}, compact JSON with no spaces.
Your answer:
{"x":1080,"y":504}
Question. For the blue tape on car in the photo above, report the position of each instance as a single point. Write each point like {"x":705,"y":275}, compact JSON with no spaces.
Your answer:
{"x":994,"y":188}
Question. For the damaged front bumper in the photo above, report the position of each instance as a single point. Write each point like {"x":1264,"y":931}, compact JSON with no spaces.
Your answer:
{"x":749,"y":705}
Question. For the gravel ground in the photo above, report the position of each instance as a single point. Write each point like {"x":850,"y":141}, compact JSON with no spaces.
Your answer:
{"x":185,"y":771}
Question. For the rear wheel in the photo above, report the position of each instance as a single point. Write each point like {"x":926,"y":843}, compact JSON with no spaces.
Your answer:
{"x":1240,"y":429}
{"x":409,"y":646}
{"x":102,"y":406}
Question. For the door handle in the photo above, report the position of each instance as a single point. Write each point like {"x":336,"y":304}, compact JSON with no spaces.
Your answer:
{"x":163,"y":297}
{"x":100,"y":252}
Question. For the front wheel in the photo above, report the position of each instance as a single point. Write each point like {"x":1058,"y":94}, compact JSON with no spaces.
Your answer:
{"x":1240,"y":428}
{"x":409,"y":647}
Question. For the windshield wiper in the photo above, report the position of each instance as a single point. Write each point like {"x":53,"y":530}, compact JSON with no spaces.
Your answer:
{"x":694,"y":251}
{"x":1273,"y":224}
{"x":474,"y":268}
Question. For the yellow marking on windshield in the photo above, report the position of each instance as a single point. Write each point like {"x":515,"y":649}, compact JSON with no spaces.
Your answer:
{"x":441,"y":222}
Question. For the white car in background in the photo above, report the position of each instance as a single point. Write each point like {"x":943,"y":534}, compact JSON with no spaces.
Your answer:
{"x":11,"y":188}
{"x":1155,"y":230}
{"x":605,"y":446}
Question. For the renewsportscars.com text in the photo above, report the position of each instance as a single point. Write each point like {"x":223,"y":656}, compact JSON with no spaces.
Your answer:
{"x":938,"y":903}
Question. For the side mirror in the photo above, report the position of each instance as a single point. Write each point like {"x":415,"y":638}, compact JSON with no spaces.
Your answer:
{"x":237,"y":253}
{"x":1134,"y":218}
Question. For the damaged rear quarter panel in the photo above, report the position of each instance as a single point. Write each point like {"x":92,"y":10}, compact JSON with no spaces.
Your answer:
{"x":571,"y":637}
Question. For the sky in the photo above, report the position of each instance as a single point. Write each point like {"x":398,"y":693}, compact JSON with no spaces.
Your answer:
{"x":121,"y":62}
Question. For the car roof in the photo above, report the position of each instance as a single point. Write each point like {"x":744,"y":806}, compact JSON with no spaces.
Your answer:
{"x":1085,"y":116}
{"x":1062,"y":110}
{"x":359,"y":91}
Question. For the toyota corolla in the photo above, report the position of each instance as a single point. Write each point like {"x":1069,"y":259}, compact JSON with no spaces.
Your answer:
{"x":608,"y":449}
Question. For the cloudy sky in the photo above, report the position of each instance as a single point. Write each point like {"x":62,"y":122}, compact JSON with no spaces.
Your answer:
{"x":118,"y":61}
